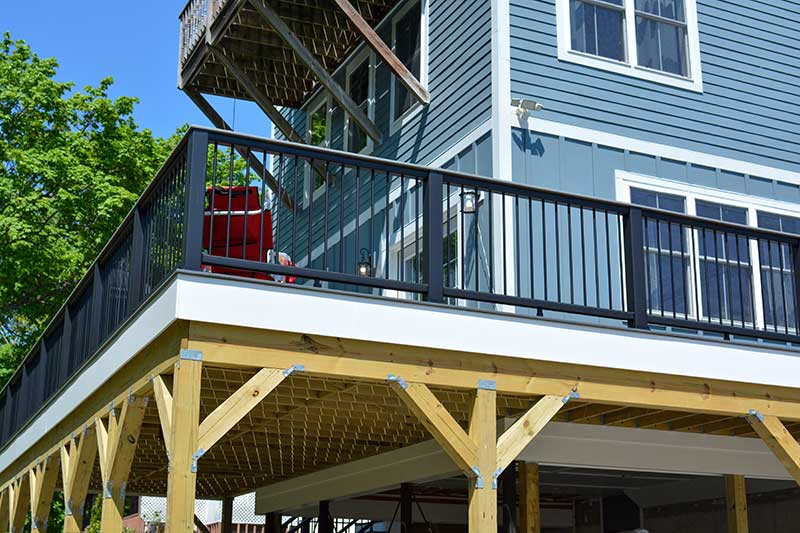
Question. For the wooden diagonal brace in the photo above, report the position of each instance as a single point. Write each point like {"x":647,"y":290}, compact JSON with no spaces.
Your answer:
{"x":19,"y":494}
{"x":42,"y":478}
{"x":164,"y":403}
{"x":77,"y":464}
{"x":238,"y":405}
{"x":4,"y":509}
{"x":779,"y":440}
{"x":300,"y":50}
{"x":523,"y":431}
{"x":384,"y":52}
{"x":440,"y":423}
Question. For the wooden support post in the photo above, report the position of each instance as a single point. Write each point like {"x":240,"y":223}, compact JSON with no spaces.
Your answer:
{"x":257,"y":166}
{"x":736,"y":503}
{"x":383,"y":51}
{"x":77,"y":464}
{"x":42,"y":478}
{"x":4,"y":509}
{"x":529,"y":512}
{"x":779,"y":440}
{"x":116,"y":446}
{"x":19,"y":492}
{"x":184,"y":453}
{"x":483,"y":432}
{"x":272,"y":523}
{"x":406,"y":508}
{"x":339,"y":94}
{"x":227,"y":515}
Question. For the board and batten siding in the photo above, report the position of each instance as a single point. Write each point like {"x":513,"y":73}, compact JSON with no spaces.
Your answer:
{"x":749,"y":108}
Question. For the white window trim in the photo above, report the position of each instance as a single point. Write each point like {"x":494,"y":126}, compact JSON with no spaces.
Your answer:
{"x":630,"y":67}
{"x":627,"y":180}
{"x":353,"y":63}
{"x":321,"y":100}
{"x":396,"y":124}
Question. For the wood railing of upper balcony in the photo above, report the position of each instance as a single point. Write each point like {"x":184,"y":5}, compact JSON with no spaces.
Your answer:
{"x":404,"y":231}
{"x":194,"y":19}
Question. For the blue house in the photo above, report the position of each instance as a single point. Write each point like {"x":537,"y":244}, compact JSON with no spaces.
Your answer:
{"x":520,"y":265}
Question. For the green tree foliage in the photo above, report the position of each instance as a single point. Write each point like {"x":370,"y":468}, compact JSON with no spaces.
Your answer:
{"x":71,"y":166}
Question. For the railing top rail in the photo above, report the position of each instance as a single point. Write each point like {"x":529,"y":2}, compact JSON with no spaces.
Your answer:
{"x":493,"y":184}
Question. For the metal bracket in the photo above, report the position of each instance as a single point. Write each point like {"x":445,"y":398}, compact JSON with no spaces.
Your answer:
{"x":487,"y":384}
{"x":573,"y":395}
{"x":495,"y":477}
{"x":68,"y":508}
{"x":292,"y":369}
{"x":108,"y":490}
{"x":397,"y":379}
{"x":131,"y":398}
{"x":479,"y":484}
{"x":122,"y":490}
{"x":111,"y":410}
{"x":195,"y":457}
{"x":756,"y":414}
{"x":191,"y":355}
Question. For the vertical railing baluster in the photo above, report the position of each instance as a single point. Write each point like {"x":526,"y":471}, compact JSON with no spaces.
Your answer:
{"x":432,"y":244}
{"x":635,"y":283}
{"x":796,"y":284}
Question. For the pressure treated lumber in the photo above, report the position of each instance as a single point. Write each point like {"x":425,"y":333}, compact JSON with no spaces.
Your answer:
{"x":530,"y":514}
{"x":779,"y":440}
{"x":181,"y":486}
{"x":525,"y":429}
{"x":736,"y":504}
{"x":77,"y":463}
{"x":42,"y":478}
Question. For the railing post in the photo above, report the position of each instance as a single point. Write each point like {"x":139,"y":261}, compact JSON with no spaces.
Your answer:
{"x":432,"y":246}
{"x":135,"y":278}
{"x":194,"y":191}
{"x":796,"y":274}
{"x":635,"y":282}
{"x":96,"y":311}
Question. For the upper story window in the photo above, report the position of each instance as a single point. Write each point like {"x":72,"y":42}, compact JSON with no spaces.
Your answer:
{"x":409,"y":43}
{"x":360,"y":87}
{"x":656,"y":40}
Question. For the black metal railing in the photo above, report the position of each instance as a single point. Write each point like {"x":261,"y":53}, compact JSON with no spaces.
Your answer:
{"x":352,"y":222}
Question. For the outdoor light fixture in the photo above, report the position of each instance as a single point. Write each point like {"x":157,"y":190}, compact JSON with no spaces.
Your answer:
{"x":469,"y":202}
{"x":524,"y":105}
{"x":365,"y":265}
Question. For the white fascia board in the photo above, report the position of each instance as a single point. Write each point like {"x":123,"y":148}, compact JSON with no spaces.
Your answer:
{"x":574,"y":445}
{"x":528,"y":121}
{"x":141,"y":329}
{"x":236,"y":302}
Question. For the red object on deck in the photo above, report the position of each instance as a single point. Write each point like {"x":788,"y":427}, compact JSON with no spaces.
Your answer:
{"x":235,"y":225}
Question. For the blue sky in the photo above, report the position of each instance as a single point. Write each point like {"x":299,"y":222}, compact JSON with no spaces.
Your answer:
{"x":136,"y":43}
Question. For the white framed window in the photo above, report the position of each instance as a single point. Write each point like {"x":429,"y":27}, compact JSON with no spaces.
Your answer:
{"x":656,"y":40}
{"x":318,"y":133}
{"x":360,"y":85}
{"x":409,"y":42}
{"x":721,"y":280}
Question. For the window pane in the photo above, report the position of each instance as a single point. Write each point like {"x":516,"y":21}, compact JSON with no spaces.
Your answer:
{"x":359,"y":92}
{"x":661,"y":46}
{"x":407,"y":50}
{"x":319,"y":126}
{"x":598,"y":30}
{"x":671,"y":9}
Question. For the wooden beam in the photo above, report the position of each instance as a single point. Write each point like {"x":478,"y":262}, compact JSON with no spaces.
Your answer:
{"x":444,"y":428}
{"x":530,"y":513}
{"x":736,"y":504}
{"x":300,"y":50}
{"x":242,"y":347}
{"x":4,"y":509}
{"x":77,"y":464}
{"x":483,"y":432}
{"x":117,"y":446}
{"x":258,"y":96}
{"x":164,"y":404}
{"x":525,"y":429}
{"x":18,"y":502}
{"x":42,"y":480}
{"x":779,"y":440}
{"x":238,"y":405}
{"x":200,"y":525}
{"x":181,"y":478}
{"x":383,"y":51}
{"x":257,"y":166}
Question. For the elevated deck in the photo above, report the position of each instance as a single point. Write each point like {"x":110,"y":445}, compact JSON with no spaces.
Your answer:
{"x":175,"y":346}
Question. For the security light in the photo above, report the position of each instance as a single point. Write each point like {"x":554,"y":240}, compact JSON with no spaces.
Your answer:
{"x":524,"y":105}
{"x":469,"y":202}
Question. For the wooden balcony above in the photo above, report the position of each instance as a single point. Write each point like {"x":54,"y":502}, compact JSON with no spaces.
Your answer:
{"x":237,"y":30}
